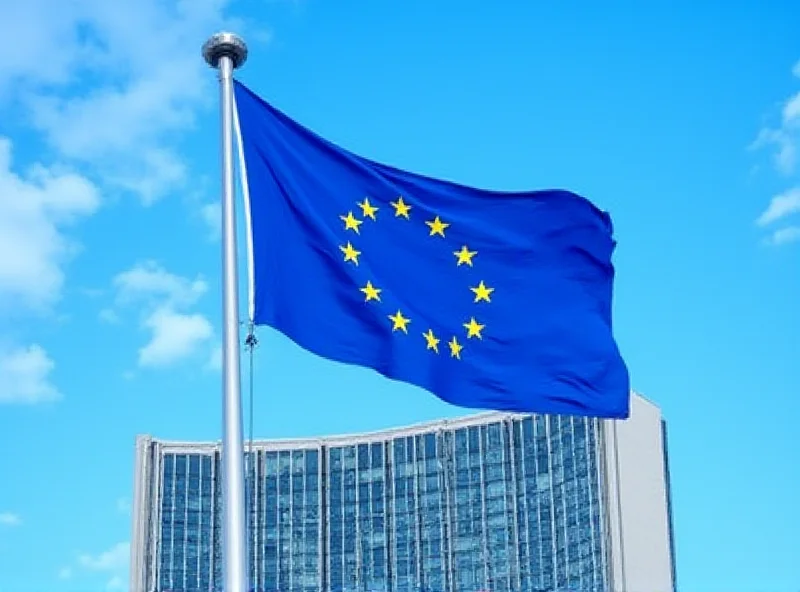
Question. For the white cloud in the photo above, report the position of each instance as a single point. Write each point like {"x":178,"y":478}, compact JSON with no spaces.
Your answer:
{"x":785,"y":137}
{"x":164,"y":298}
{"x":114,"y":562}
{"x":108,"y":315}
{"x":113,"y":85}
{"x":780,"y":206}
{"x":215,"y":359}
{"x":9,"y":519}
{"x":148,"y":281}
{"x":114,"y":559}
{"x":25,"y":376}
{"x":211,"y":214}
{"x":791,"y":110}
{"x":37,"y":31}
{"x":784,"y":144}
{"x":784,"y":236}
{"x":34,"y":210}
{"x":65,"y":573}
{"x":112,"y":88}
{"x":175,"y":336}
{"x":165,"y":171}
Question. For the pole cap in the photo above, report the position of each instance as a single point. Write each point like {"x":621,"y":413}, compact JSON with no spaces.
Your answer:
{"x":225,"y":44}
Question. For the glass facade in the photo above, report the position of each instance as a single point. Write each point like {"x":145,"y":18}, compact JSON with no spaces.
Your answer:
{"x":500,"y":502}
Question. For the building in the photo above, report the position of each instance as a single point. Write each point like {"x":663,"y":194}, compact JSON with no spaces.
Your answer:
{"x":496,"y":501}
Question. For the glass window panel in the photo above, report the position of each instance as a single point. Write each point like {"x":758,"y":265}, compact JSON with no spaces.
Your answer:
{"x":477,"y":507}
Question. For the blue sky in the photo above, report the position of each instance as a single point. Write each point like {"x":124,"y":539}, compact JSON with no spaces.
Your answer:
{"x":683,"y":122}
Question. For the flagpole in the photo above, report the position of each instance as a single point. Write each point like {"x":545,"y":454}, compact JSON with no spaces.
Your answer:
{"x":226,"y":52}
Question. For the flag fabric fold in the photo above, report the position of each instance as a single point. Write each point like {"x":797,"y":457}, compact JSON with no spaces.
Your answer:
{"x":489,"y":300}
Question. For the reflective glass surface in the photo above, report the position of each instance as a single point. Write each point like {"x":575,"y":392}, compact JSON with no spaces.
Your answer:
{"x":507,"y":505}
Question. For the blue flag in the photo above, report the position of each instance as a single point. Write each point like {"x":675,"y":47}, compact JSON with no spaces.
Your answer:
{"x":488,"y":300}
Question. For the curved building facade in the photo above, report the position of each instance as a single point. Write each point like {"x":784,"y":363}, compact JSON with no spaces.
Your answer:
{"x":497,"y":501}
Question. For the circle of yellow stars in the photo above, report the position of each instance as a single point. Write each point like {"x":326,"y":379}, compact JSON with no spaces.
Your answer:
{"x":436,"y":228}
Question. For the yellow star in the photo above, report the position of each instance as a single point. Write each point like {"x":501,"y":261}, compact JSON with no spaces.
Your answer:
{"x":455,"y":348}
{"x":437,"y":226}
{"x":401,"y":208}
{"x":433,"y":342}
{"x":371,"y":292}
{"x":474,"y":328}
{"x":350,"y":254}
{"x":367,"y":209}
{"x":400,"y":322}
{"x":351,"y":222}
{"x":482,"y":292}
{"x":465,"y":256}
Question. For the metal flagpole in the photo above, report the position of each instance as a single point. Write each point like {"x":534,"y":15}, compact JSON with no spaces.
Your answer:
{"x":226,"y":52}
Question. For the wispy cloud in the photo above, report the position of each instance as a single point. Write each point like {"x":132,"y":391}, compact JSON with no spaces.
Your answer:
{"x":112,"y":89}
{"x":165,"y":302}
{"x":786,"y":235}
{"x":211,"y":214}
{"x":780,"y":206}
{"x":113,"y":559}
{"x":146,"y":77}
{"x":784,"y":139}
{"x":114,"y":562}
{"x":215,"y":359}
{"x":142,"y":83}
{"x":25,"y":376}
{"x":10,"y":519}
{"x":148,"y":282}
{"x":36,"y":209}
{"x":108,"y":315}
{"x":175,"y":336}
{"x":783,"y":143}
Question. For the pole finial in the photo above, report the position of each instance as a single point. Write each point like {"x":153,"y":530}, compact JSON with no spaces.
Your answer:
{"x":222,"y":45}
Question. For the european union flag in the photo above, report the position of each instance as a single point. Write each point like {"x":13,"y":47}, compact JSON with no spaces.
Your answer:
{"x":488,"y":300}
